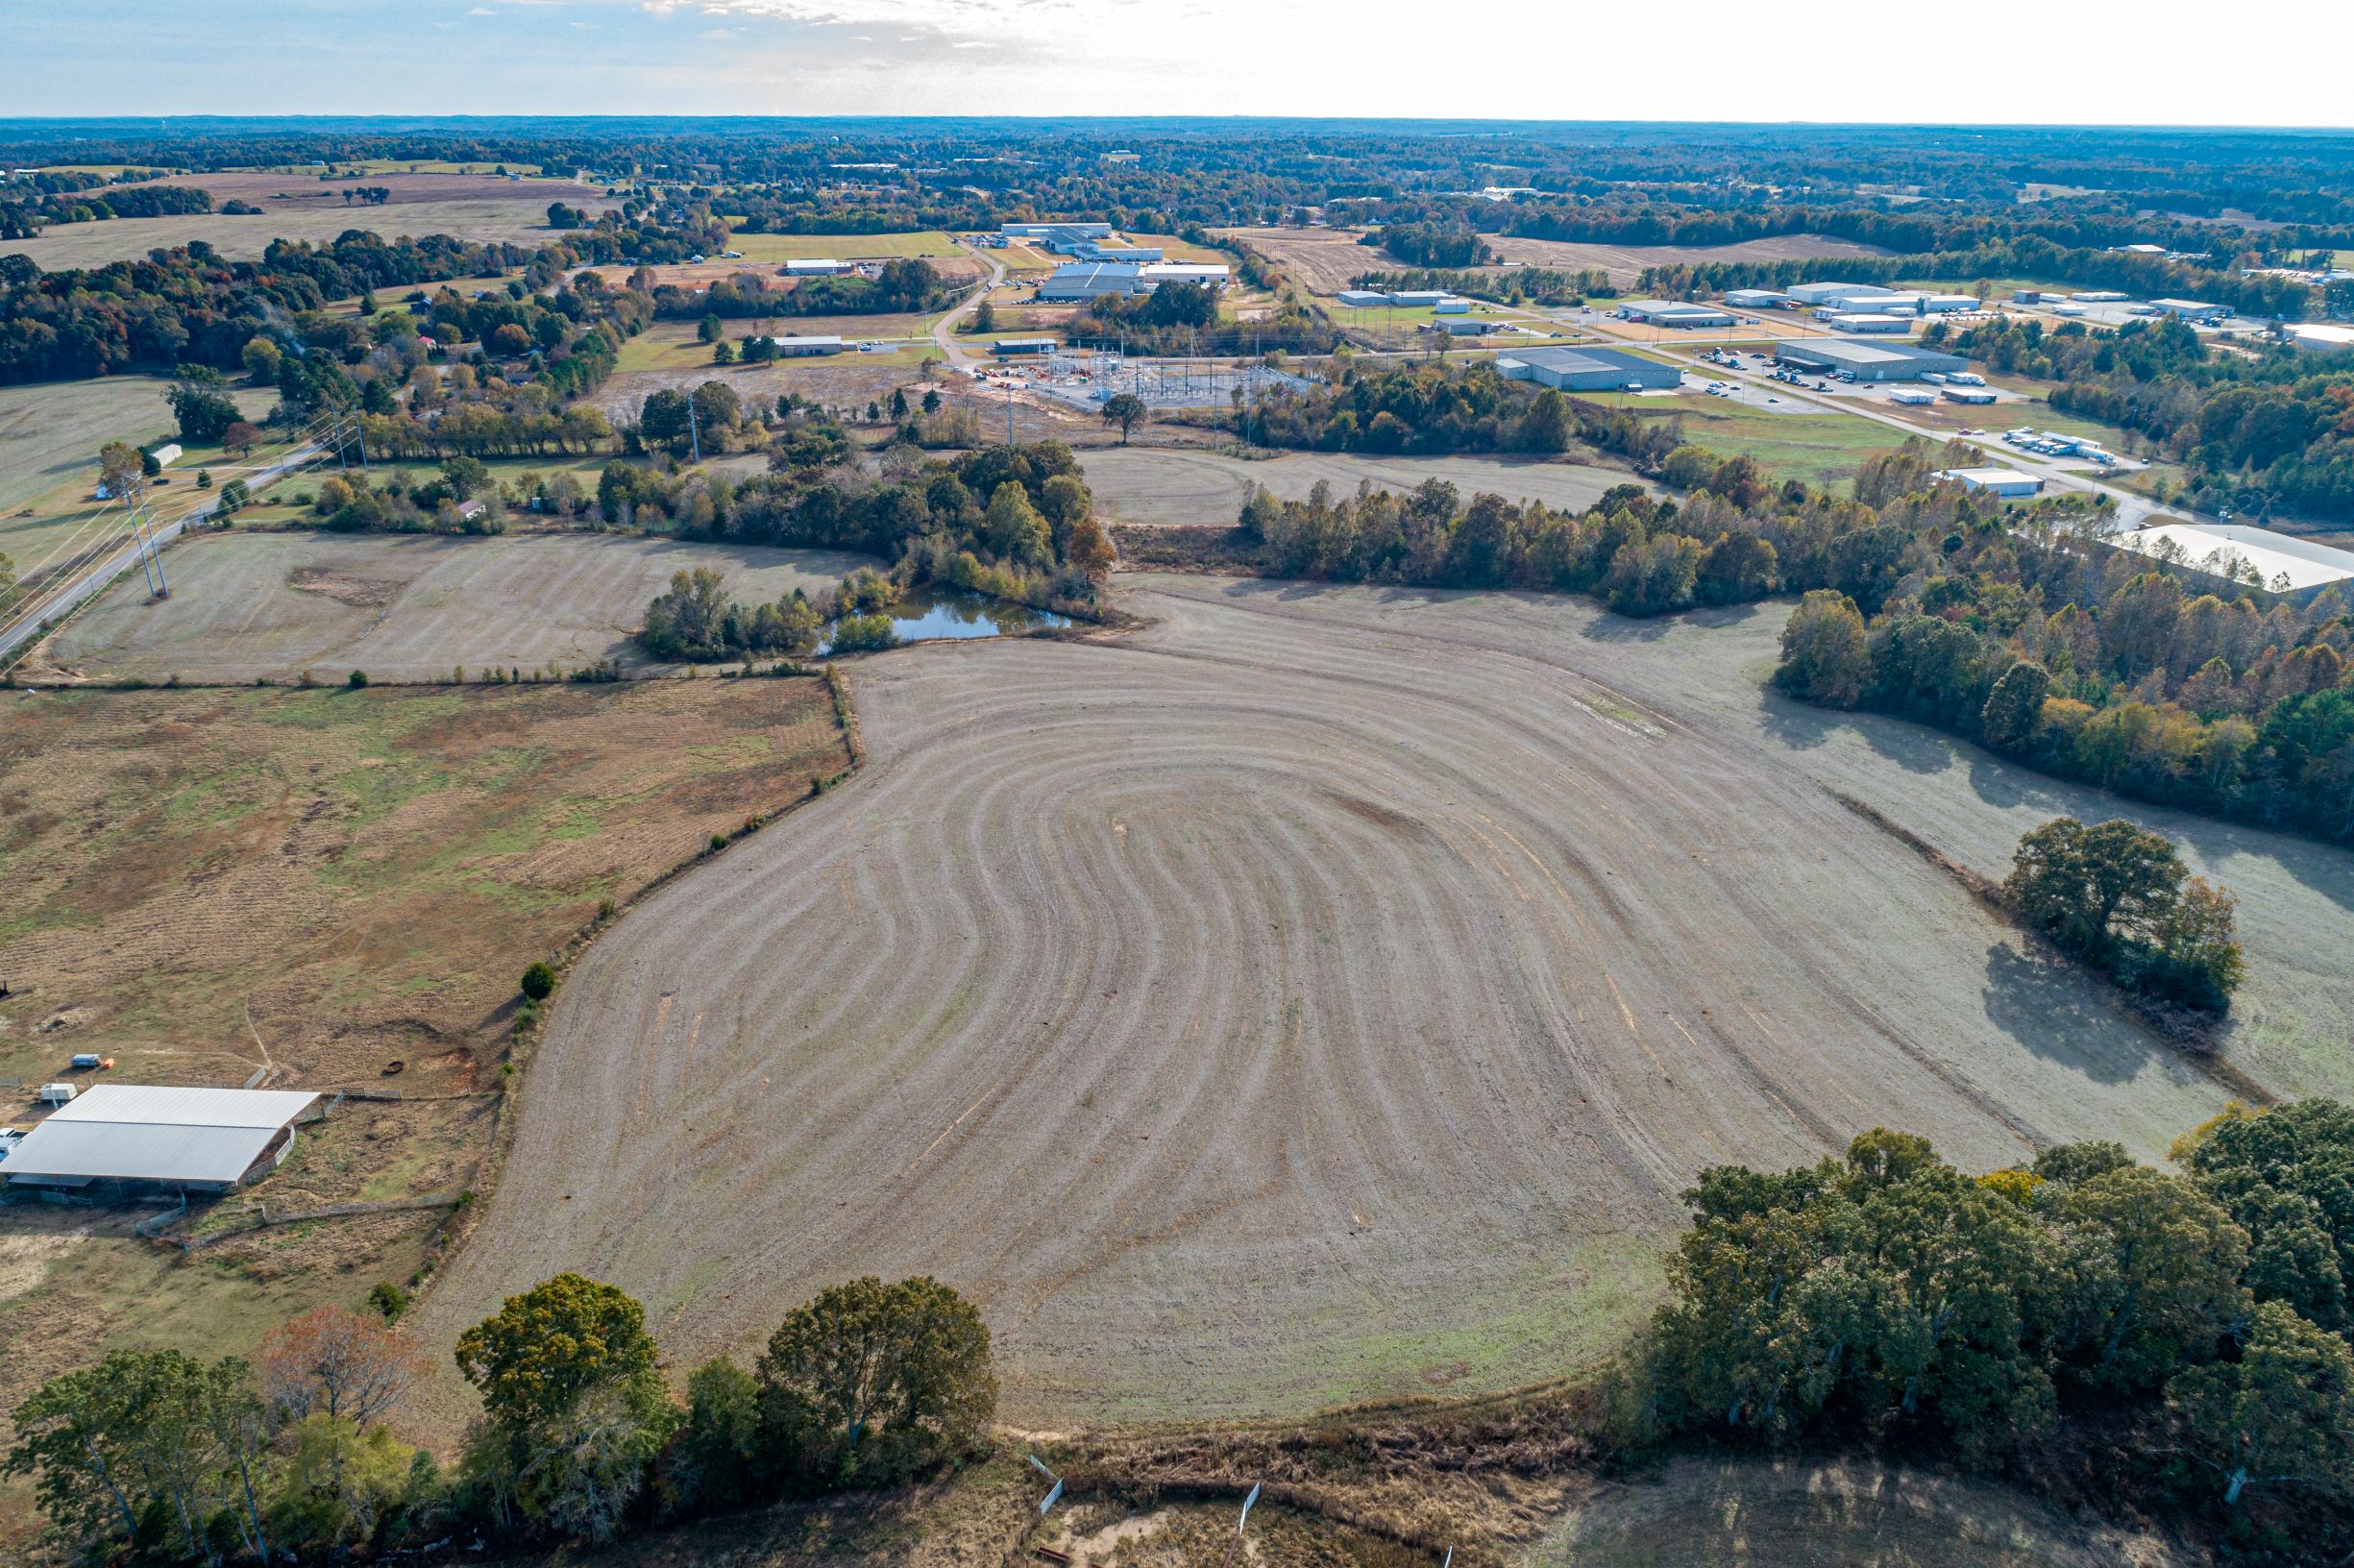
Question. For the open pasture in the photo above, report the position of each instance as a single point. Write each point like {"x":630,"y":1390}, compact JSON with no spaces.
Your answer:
{"x":1311,"y":998}
{"x":1183,"y":486}
{"x":477,"y":207}
{"x":1625,"y":264}
{"x":778,"y":249}
{"x":337,"y":889}
{"x":404,"y":606}
{"x":1326,"y":260}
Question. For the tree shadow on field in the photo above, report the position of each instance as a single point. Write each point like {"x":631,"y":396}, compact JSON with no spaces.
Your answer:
{"x":1799,"y":725}
{"x":2051,"y":1009}
{"x":1914,"y":748}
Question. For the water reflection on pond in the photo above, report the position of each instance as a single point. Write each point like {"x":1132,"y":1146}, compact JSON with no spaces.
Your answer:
{"x":926,"y":614}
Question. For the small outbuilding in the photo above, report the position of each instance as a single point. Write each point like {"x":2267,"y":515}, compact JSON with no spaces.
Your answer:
{"x":193,"y":1139}
{"x":2007,"y":483}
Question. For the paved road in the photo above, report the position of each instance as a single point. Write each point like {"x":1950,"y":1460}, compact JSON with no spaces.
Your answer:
{"x":943,"y":330}
{"x":98,"y":574}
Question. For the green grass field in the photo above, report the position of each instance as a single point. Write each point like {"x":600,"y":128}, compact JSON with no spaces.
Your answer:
{"x":843,"y":247}
{"x":1821,"y":449}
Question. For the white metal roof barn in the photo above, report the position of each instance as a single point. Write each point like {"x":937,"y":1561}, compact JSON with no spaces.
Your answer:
{"x":212,"y":1138}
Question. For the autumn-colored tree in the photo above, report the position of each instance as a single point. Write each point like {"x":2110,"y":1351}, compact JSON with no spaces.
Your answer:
{"x":337,"y":1363}
{"x":1827,"y":655}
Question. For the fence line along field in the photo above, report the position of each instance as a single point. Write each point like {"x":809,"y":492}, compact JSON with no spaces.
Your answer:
{"x":405,"y":607}
{"x":1270,"y":1010}
{"x":338,"y":890}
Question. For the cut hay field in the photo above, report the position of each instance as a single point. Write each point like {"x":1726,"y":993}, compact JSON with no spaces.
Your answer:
{"x":49,"y":438}
{"x":1321,"y":994}
{"x":477,"y":207}
{"x":1625,"y":264}
{"x":1179,"y":485}
{"x":781,"y":248}
{"x":1793,"y":440}
{"x":1326,"y":260}
{"x":208,"y":884}
{"x":404,"y":606}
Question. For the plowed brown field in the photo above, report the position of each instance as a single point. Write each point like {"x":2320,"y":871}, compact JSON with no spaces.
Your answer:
{"x":405,"y":606}
{"x":1321,"y":994}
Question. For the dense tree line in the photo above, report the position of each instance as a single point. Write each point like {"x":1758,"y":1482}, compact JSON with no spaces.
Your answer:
{"x":2086,"y":662}
{"x":1015,"y":522}
{"x":902,"y":286}
{"x":1506,"y":285}
{"x":2029,"y":256}
{"x":167,"y":1459}
{"x":187,"y":306}
{"x":2194,"y":1322}
{"x":1431,"y":245}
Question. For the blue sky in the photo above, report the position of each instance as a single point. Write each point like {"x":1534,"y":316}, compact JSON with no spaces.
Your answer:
{"x":2077,"y":60}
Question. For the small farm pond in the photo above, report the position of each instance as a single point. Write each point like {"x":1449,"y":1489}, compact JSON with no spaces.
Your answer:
{"x":929,"y":614}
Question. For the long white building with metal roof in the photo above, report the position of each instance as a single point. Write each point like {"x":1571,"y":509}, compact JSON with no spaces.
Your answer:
{"x":202,"y":1139}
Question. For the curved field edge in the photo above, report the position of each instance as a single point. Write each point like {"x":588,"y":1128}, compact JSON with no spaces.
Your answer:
{"x":1301,"y":1001}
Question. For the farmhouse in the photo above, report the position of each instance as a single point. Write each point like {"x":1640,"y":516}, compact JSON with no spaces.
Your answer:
{"x":1867,"y":361}
{"x":1586,"y":370}
{"x":1673,"y":313}
{"x":194,"y":1140}
{"x":801,"y":348}
{"x":2007,"y":483}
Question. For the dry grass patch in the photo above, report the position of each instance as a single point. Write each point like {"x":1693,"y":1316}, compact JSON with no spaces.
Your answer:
{"x":320,"y":885}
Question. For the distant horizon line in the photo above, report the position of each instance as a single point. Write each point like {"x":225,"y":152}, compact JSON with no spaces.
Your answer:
{"x":164,"y":120}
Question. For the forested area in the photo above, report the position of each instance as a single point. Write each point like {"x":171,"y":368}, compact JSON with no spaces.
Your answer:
{"x":2116,"y":1336}
{"x":1431,"y":245}
{"x":162,"y":1456}
{"x":1436,"y":408}
{"x":913,"y":285}
{"x":1015,"y":523}
{"x":2081,"y":660}
{"x":186,"y":307}
{"x":1506,"y":285}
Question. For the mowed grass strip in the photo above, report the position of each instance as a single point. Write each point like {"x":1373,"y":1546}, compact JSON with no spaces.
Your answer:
{"x":925,"y":242}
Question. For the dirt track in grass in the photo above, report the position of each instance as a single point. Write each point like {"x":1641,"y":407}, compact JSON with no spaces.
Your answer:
{"x":1321,"y":994}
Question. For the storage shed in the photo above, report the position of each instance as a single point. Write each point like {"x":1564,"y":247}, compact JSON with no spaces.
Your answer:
{"x":199,"y":1139}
